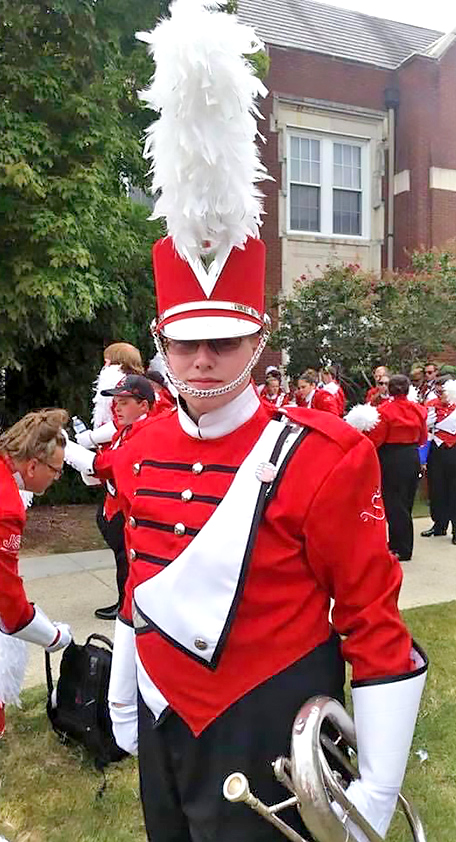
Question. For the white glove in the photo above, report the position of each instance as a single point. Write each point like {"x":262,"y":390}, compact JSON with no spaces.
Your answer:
{"x":124,"y":720}
{"x":92,"y":438}
{"x":384,"y":716}
{"x":78,"y":457}
{"x":63,"y":639}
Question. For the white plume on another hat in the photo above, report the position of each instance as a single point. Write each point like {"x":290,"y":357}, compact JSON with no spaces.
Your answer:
{"x":204,"y":159}
{"x":449,"y":387}
{"x":364,"y":417}
{"x":412,"y":394}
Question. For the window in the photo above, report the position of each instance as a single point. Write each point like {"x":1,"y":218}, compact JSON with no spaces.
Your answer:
{"x":328,"y":186}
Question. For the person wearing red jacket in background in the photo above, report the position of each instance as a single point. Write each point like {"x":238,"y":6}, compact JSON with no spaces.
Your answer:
{"x":134,"y":405}
{"x":381,"y":373}
{"x":398,"y":429}
{"x":330,"y":379}
{"x":31,"y":458}
{"x":441,"y":464}
{"x":307,"y":395}
{"x":273,"y":395}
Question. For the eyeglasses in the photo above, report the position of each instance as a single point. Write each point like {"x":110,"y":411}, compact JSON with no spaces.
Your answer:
{"x":429,"y":371}
{"x":56,"y":471}
{"x":186,"y":347}
{"x":383,"y":382}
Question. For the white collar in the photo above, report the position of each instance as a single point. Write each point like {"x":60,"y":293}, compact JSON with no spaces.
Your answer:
{"x":19,"y":480}
{"x":220,"y":422}
{"x":309,"y":397}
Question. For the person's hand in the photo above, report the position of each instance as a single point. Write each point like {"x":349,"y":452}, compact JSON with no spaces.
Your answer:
{"x":85,"y":439}
{"x":376,"y":805}
{"x":124,"y":720}
{"x":62,"y":638}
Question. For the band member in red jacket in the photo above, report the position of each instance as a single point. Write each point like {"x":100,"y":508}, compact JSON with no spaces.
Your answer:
{"x":330,"y":378}
{"x":307,"y":395}
{"x":242,"y":526}
{"x":399,"y":427}
{"x":273,"y":394}
{"x":441,"y":464}
{"x":134,"y":405}
{"x":376,"y":393}
{"x":31,"y":458}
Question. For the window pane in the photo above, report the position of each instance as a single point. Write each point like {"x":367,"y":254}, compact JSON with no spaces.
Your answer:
{"x":347,"y":166}
{"x":304,"y":160}
{"x":346,"y":212}
{"x":304,"y":208}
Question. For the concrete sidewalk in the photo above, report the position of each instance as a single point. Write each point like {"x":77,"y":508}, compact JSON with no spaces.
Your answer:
{"x":69,"y":588}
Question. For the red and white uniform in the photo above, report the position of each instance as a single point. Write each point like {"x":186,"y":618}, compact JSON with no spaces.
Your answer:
{"x":336,"y":390}
{"x":375,"y":397}
{"x":15,"y":609}
{"x":401,"y":422}
{"x":278,"y":400}
{"x":444,"y":412}
{"x":113,"y":466}
{"x":319,"y":399}
{"x":182,"y":473}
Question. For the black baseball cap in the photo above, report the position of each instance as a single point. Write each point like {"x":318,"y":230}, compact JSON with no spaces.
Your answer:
{"x":133,"y":386}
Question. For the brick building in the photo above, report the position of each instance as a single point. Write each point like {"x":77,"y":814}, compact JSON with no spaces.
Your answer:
{"x":348,"y":93}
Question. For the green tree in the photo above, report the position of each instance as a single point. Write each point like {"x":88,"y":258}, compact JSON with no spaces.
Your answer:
{"x":358,"y":320}
{"x":71,"y":141}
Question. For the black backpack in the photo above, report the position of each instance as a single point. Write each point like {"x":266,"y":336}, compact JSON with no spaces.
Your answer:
{"x":78,"y":711}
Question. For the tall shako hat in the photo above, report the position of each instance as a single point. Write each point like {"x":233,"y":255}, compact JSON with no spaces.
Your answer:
{"x":209,"y":270}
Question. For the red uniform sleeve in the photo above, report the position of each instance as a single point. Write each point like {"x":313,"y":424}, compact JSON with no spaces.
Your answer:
{"x":15,"y":610}
{"x":325,"y":402}
{"x":103,"y":465}
{"x":345,"y":533}
{"x":379,"y":433}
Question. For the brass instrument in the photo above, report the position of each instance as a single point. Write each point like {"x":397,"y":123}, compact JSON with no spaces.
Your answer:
{"x":312,"y":782}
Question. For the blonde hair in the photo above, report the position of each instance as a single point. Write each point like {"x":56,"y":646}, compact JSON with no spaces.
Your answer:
{"x":125,"y":355}
{"x":35,"y":436}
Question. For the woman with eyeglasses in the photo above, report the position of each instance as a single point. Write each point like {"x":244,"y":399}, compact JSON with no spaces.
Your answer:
{"x":31,"y":459}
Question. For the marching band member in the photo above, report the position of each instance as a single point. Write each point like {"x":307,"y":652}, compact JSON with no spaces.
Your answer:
{"x":31,"y":459}
{"x":399,"y":429}
{"x":306,"y":394}
{"x":273,"y":394}
{"x":441,"y":464}
{"x":330,"y":378}
{"x":134,"y":404}
{"x":120,"y":359}
{"x":381,"y":374}
{"x":244,"y":523}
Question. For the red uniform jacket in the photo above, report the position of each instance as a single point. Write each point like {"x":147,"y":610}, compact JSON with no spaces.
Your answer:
{"x":321,"y":400}
{"x":15,"y":609}
{"x":113,"y":466}
{"x":337,"y":393}
{"x":401,"y":422}
{"x":322,"y":535}
{"x":276,"y":401}
{"x":443,"y":410}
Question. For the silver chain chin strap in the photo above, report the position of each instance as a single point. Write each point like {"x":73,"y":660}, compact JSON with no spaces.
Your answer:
{"x":185,"y":389}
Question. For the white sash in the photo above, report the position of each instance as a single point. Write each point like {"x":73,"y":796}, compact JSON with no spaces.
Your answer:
{"x":448,"y":424}
{"x":190,"y":600}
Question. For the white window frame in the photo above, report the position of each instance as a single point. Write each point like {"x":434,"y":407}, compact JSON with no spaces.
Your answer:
{"x":327,"y":184}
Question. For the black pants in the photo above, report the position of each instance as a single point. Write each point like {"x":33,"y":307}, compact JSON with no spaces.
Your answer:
{"x":182,"y":776}
{"x":442,"y":486}
{"x":400,"y":464}
{"x":113,"y":533}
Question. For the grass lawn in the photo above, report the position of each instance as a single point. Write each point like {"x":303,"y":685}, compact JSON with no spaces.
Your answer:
{"x":48,"y":791}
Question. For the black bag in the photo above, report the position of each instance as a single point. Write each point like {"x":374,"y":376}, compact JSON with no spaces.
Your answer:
{"x":79,"y":710}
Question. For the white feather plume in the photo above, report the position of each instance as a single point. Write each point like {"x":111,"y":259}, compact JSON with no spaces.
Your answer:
{"x":204,"y":158}
{"x":450,"y":390}
{"x":108,"y":378}
{"x":13,"y":661}
{"x":412,"y":394}
{"x":363,"y":417}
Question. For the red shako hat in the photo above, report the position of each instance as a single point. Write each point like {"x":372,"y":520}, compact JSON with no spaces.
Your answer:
{"x":210,"y":269}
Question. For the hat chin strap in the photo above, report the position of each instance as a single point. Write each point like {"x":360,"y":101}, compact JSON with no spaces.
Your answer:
{"x":185,"y":389}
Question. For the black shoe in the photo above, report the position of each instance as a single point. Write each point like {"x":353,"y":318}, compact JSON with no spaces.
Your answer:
{"x":428,"y":533}
{"x":108,"y":613}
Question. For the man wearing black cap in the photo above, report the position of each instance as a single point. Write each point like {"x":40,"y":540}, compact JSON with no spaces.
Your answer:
{"x":134,"y":400}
